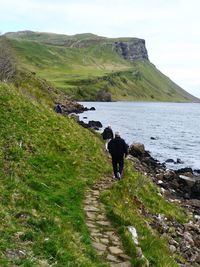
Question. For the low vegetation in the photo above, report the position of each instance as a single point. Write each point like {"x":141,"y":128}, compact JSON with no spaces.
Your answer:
{"x":128,"y":203}
{"x":47,"y":161}
{"x":86,"y":66}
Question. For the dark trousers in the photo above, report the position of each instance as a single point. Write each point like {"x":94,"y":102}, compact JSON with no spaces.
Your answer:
{"x":118,"y":165}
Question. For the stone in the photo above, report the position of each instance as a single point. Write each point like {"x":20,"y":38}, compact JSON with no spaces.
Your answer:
{"x":101,"y":217}
{"x":91,"y":208}
{"x":15,"y":254}
{"x":99,"y":246}
{"x":97,"y":124}
{"x":159,"y":176}
{"x":137,"y":149}
{"x":103,"y":223}
{"x":95,"y":193}
{"x":124,"y":257}
{"x":115,"y":250}
{"x":74,"y":116}
{"x":91,"y":215}
{"x":90,"y":225}
{"x":172,"y":248}
{"x":197,"y":241}
{"x":122,"y":264}
{"x":131,"y":50}
{"x":112,"y":258}
{"x":104,"y":241}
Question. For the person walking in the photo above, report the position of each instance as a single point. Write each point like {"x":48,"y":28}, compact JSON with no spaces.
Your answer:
{"x":58,"y":108}
{"x":107,"y":135}
{"x":117,"y":147}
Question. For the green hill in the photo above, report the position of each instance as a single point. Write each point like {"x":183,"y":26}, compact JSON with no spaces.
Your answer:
{"x":89,"y":67}
{"x":48,"y":162}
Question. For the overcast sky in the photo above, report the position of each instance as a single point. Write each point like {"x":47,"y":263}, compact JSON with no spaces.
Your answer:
{"x":171,"y":28}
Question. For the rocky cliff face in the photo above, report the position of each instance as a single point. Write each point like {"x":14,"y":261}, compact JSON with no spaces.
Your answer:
{"x":131,"y":50}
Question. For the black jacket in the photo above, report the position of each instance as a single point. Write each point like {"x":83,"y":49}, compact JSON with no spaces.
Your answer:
{"x":117,"y":147}
{"x":107,"y":133}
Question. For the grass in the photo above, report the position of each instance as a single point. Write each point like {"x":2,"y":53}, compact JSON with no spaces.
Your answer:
{"x":81,"y":72}
{"x":123,"y":203}
{"x":47,"y":161}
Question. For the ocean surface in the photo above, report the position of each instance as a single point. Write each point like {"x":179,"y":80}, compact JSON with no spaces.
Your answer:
{"x":168,"y":130}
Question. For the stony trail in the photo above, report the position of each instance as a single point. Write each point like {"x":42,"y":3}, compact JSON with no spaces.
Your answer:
{"x":104,"y":236}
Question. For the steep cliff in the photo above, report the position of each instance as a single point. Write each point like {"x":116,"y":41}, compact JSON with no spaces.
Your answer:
{"x":131,"y":50}
{"x":90,"y":67}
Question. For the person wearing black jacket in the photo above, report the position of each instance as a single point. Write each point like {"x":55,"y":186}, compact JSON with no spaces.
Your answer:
{"x":107,"y":135}
{"x":118,"y":148}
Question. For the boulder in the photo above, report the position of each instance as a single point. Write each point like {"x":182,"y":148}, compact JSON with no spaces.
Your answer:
{"x":97,"y":124}
{"x":184,"y":171}
{"x":137,"y":150}
{"x":195,"y":190}
{"x":169,"y":161}
{"x":190,"y":182}
{"x":74,"y":116}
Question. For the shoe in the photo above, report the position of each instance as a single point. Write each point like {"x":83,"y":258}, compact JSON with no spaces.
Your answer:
{"x":118,"y":176}
{"x":115,"y":178}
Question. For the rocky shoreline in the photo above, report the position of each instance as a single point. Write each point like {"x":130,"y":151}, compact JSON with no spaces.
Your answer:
{"x":183,"y":187}
{"x":72,"y":109}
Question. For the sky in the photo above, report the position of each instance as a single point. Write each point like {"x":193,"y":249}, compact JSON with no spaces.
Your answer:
{"x":171,"y":28}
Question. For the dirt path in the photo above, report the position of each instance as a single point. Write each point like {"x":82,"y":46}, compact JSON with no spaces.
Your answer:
{"x":104,"y":237}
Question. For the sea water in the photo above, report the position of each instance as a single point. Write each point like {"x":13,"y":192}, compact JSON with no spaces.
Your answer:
{"x":168,"y":130}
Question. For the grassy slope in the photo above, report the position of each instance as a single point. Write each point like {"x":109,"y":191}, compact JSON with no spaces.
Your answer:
{"x":47,"y":161}
{"x":124,"y":203}
{"x":82,"y":72}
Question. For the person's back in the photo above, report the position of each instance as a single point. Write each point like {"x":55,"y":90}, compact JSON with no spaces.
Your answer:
{"x":117,"y":147}
{"x":107,"y":133}
{"x":58,"y":108}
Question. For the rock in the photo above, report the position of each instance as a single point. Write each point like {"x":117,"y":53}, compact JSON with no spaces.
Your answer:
{"x":198,"y":258}
{"x":91,"y":208}
{"x":179,"y":161}
{"x":99,"y":246}
{"x":197,"y":241}
{"x":92,"y":108}
{"x":197,"y":171}
{"x":74,"y":116}
{"x":115,"y":250}
{"x":172,"y":248}
{"x":188,"y":237}
{"x":103,"y":223}
{"x":189,"y":181}
{"x":183,"y":171}
{"x":195,"y":190}
{"x":137,"y":149}
{"x":103,"y":96}
{"x":134,"y":235}
{"x":112,"y":258}
{"x":123,"y":264}
{"x":95,"y":124}
{"x":131,"y":50}
{"x":104,"y":241}
{"x":159,"y":176}
{"x":15,"y":254}
{"x":169,"y":161}
{"x":91,"y":124}
{"x":169,"y":175}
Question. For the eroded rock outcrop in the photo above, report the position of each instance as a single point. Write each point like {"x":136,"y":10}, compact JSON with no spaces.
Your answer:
{"x":133,"y":49}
